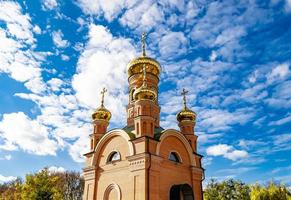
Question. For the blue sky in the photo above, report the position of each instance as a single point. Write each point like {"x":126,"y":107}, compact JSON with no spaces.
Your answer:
{"x":232,"y":56}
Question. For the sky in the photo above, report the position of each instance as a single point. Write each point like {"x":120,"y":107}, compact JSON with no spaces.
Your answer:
{"x":234,"y":58}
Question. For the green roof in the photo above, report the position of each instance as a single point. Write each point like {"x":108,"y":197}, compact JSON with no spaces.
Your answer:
{"x":157,"y":132}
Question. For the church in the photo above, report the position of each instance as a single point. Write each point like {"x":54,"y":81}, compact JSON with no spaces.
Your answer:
{"x":143,"y":161}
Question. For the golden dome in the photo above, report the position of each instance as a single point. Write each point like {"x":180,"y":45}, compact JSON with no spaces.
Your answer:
{"x":135,"y":66}
{"x":102,"y":113}
{"x":186,"y":115}
{"x":143,"y":93}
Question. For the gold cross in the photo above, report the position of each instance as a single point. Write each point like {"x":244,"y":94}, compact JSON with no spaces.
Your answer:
{"x":143,"y":38}
{"x":102,"y":98}
{"x":184,"y":92}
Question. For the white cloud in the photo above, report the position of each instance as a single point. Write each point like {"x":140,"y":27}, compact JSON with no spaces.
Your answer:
{"x":247,"y":144}
{"x":104,"y":57}
{"x":36,"y":29}
{"x":18,"y":24}
{"x":6,"y":157}
{"x":143,"y":16}
{"x":55,"y":84}
{"x":282,"y":139}
{"x":278,"y":73}
{"x":172,"y":44}
{"x":17,"y":57}
{"x":287,"y":5}
{"x":4,"y":179}
{"x":281,"y":97}
{"x":218,"y":150}
{"x":282,"y":121}
{"x":213,"y":56}
{"x":49,"y":4}
{"x":58,"y":39}
{"x":110,"y":9}
{"x":56,"y":169}
{"x":65,"y":57}
{"x":226,"y":151}
{"x":218,"y":120}
{"x":29,"y":135}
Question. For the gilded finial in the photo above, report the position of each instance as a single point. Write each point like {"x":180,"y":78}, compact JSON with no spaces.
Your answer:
{"x":143,"y":38}
{"x":184,"y":92}
{"x":144,"y":75}
{"x":102,"y":97}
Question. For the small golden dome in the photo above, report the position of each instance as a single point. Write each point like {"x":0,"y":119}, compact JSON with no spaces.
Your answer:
{"x":186,"y":115}
{"x":144,"y":93}
{"x":135,"y":66}
{"x":101,"y":113}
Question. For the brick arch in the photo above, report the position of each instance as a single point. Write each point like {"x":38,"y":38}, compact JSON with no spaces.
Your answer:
{"x":106,"y":138}
{"x":179,"y":136}
{"x":112,"y":186}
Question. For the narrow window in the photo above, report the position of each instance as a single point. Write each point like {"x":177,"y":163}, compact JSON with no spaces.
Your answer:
{"x":114,"y":156}
{"x":174,"y":157}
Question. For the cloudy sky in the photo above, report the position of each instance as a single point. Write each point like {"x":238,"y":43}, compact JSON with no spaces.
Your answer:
{"x":234,"y":57}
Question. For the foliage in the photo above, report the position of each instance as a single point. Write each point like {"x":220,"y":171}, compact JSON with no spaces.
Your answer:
{"x":270,"y":192}
{"x":44,"y":185}
{"x":72,"y":185}
{"x":11,"y":190}
{"x":233,"y":189}
{"x":229,"y":189}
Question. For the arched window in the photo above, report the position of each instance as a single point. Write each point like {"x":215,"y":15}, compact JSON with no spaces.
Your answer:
{"x":114,"y":156}
{"x":174,"y":157}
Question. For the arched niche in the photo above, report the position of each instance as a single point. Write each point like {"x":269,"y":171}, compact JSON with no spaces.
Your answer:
{"x":181,"y":138}
{"x":106,"y":138}
{"x":112,"y":192}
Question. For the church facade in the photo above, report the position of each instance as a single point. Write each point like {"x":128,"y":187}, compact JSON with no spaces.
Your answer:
{"x":143,"y":161}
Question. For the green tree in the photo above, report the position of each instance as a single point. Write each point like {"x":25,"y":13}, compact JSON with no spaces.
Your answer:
{"x":270,"y":192}
{"x":226,"y":190}
{"x":42,"y":185}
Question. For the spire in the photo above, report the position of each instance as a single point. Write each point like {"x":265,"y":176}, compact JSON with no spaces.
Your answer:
{"x":102,"y":97}
{"x":184,"y":92}
{"x":143,"y":38}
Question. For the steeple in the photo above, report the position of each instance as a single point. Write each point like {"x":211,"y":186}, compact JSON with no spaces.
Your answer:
{"x":143,"y":43}
{"x":186,"y":121}
{"x":101,"y":118}
{"x":143,"y":111}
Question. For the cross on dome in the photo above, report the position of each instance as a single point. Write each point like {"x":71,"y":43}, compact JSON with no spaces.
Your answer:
{"x":143,"y":38}
{"x":104,"y":90}
{"x":184,"y":93}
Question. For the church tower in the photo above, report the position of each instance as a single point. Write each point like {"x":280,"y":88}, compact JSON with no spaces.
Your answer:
{"x":143,"y":161}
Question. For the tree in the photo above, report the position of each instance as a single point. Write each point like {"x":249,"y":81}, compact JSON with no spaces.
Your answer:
{"x":72,"y":185}
{"x":271,"y":192}
{"x":42,"y":185}
{"x":226,"y":190}
{"x":11,"y":190}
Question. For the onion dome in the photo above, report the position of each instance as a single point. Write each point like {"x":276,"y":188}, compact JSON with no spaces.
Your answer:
{"x":135,"y":66}
{"x":186,"y":114}
{"x":102,"y":113}
{"x":144,"y":92}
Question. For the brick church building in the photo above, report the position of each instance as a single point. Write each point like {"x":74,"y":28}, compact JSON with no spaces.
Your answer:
{"x":143,"y":161}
